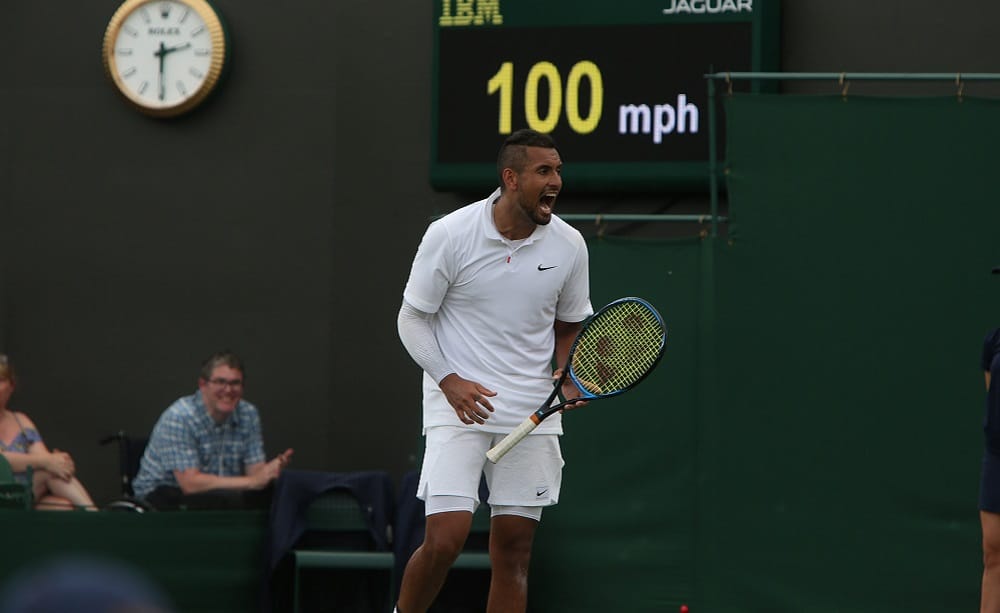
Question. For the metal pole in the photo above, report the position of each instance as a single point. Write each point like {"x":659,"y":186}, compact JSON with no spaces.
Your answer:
{"x":713,"y":179}
{"x":598,"y":217}
{"x":857,"y":76}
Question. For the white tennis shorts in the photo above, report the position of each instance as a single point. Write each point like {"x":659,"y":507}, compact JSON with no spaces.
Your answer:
{"x":530,"y":475}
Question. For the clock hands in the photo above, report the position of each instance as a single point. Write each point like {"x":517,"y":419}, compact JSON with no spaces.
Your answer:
{"x":172,"y":49}
{"x":161,"y":53}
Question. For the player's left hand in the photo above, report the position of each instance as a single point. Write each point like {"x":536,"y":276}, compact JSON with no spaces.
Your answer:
{"x":569,"y":391}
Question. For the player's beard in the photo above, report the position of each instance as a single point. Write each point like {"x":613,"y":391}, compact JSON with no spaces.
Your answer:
{"x":539,"y":210}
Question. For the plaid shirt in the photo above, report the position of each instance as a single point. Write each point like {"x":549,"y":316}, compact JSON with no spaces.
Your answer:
{"x":187,"y":437}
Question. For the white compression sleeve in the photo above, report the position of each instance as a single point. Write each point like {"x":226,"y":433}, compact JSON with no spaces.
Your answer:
{"x":418,"y":338}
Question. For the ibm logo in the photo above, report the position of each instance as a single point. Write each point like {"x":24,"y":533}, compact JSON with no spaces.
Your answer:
{"x":470,"y":13}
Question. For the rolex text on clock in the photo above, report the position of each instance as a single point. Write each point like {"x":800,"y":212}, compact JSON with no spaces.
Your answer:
{"x":165,"y":56}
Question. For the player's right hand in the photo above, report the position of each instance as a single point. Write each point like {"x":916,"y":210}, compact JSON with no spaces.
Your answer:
{"x":469,"y":399}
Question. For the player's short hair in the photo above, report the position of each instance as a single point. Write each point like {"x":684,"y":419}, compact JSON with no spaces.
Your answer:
{"x":221,"y":358}
{"x":513,"y":152}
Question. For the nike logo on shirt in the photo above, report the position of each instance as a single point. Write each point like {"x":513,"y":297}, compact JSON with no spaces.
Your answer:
{"x":540,"y":267}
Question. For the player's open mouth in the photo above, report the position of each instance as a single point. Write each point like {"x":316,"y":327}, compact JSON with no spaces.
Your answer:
{"x":547,"y":200}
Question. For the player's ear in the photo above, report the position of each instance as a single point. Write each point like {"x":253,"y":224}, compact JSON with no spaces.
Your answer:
{"x":509,"y":178}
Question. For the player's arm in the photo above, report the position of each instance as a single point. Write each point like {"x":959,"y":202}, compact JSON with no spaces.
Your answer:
{"x":987,"y":373}
{"x":418,"y":338}
{"x":468,"y":398}
{"x":565,"y":333}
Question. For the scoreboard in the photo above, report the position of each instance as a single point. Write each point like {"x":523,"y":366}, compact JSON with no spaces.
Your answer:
{"x":620,"y":85}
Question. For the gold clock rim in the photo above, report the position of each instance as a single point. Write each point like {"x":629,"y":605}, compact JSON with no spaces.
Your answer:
{"x":216,"y":32}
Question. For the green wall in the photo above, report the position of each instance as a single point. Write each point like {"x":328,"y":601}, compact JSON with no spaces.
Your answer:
{"x":205,"y":561}
{"x":853,"y":300}
{"x":623,"y":534}
{"x":811,"y":440}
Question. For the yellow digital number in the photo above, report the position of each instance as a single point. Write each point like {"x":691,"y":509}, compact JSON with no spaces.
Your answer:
{"x":549,"y":72}
{"x":590,"y":71}
{"x":503,"y":82}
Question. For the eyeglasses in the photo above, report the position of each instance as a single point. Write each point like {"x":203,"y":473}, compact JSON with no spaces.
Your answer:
{"x":233,"y":383}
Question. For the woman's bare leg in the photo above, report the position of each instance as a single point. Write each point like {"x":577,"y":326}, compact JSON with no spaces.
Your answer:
{"x":54,"y":493}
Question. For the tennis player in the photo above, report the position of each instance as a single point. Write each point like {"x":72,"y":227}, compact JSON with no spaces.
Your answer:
{"x":497,"y":290}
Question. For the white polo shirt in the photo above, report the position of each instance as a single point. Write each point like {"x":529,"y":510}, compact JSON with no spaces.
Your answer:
{"x":494,"y":303}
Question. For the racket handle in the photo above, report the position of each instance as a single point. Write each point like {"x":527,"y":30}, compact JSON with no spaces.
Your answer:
{"x":508,"y":442}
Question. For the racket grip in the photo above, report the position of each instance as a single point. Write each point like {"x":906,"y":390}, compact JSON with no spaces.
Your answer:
{"x":508,"y":442}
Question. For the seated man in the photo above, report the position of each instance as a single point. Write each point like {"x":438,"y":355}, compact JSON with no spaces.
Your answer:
{"x":206,"y":450}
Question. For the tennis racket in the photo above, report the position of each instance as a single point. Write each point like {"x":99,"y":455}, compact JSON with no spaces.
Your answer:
{"x":615,"y":350}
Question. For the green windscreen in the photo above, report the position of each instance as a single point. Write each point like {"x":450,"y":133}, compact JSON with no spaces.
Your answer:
{"x":811,"y":440}
{"x":852,"y":304}
{"x":622,"y":536}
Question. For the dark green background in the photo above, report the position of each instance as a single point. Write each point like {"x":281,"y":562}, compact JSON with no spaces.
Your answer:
{"x":811,"y":441}
{"x":852,"y":304}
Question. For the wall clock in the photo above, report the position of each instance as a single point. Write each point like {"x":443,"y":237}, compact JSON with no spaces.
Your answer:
{"x":165,"y":56}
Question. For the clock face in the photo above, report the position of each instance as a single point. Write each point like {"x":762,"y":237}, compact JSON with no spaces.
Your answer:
{"x":165,"y":56}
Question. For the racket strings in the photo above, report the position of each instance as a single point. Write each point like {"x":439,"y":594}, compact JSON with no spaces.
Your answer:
{"x":618,"y":348}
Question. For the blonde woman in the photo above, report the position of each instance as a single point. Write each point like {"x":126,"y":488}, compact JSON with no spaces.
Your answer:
{"x":54,"y":485}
